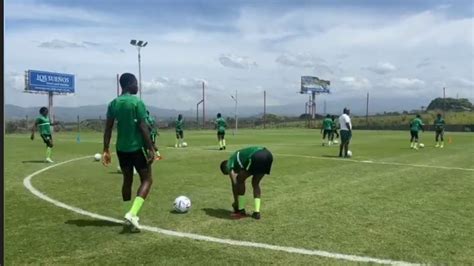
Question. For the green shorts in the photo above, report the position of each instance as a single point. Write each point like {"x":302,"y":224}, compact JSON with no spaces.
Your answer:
{"x":346,"y":136}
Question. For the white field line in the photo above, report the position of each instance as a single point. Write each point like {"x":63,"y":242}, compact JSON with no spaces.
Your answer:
{"x":375,"y":162}
{"x":320,"y":253}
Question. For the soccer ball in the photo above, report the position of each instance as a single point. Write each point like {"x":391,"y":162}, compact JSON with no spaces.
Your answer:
{"x":182,"y":204}
{"x":97,"y":157}
{"x":336,"y":142}
{"x":422,"y":145}
{"x":185,"y":144}
{"x":349,"y":153}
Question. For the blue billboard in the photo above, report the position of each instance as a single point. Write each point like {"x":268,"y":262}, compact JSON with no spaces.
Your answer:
{"x":42,"y":81}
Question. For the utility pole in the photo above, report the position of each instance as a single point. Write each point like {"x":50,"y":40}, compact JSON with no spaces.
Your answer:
{"x":367,"y":111}
{"x":264,"y":109}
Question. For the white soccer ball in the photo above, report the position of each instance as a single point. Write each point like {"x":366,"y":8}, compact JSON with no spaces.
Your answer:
{"x":422,"y":145}
{"x":97,"y":157}
{"x":182,"y":204}
{"x":349,"y":153}
{"x":185,"y":144}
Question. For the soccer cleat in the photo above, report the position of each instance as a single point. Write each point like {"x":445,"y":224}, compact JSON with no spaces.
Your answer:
{"x":256,"y":215}
{"x":437,"y":145}
{"x":221,"y":148}
{"x":224,"y":147}
{"x":238,"y":214}
{"x":49,"y":160}
{"x":442,"y":146}
{"x":132,"y":221}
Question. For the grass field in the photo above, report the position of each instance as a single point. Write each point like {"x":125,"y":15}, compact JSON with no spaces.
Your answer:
{"x":387,"y":202}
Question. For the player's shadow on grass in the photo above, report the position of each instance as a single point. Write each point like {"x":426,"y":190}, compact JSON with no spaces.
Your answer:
{"x":218,"y":213}
{"x":34,"y":161}
{"x":84,"y":223}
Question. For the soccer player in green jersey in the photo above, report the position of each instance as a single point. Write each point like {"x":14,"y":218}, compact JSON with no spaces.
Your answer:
{"x":439,"y":129}
{"x":415,"y":126}
{"x":134,"y":146}
{"x":150,"y":121}
{"x":221,"y":126}
{"x":45,"y":131}
{"x":252,"y":161}
{"x":179,"y":123}
{"x":334,"y":129}
{"x":327,"y":129}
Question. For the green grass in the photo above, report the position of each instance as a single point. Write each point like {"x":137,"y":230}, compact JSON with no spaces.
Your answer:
{"x":397,"y":212}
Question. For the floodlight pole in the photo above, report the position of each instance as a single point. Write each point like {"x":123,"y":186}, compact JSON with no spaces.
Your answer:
{"x":235,"y":111}
{"x":139,"y":45}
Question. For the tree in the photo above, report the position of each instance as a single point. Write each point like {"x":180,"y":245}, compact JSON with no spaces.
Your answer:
{"x":450,"y":104}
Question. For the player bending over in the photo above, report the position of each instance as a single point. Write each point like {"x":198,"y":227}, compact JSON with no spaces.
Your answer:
{"x":346,"y":132}
{"x":221,"y":126}
{"x":45,"y":131}
{"x":439,"y":129}
{"x":415,"y":126}
{"x":150,"y":121}
{"x":251,"y":161}
{"x":179,"y":123}
{"x":134,"y":146}
{"x":326,"y":129}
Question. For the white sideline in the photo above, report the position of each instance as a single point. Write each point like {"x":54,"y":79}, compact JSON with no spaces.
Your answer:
{"x":375,"y":162}
{"x":320,"y":253}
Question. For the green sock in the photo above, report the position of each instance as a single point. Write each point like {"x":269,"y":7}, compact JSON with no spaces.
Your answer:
{"x":241,"y":202}
{"x":137,"y":205}
{"x":223,"y":142}
{"x":48,"y":152}
{"x":257,"y":204}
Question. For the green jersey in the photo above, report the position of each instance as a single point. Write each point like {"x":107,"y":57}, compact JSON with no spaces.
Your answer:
{"x":129,"y":111}
{"x":179,"y":124}
{"x":221,"y":124}
{"x":242,"y":159}
{"x":416,"y":124}
{"x":44,"y":125}
{"x":327,"y":124}
{"x":333,"y":125}
{"x":150,"y":121}
{"x":439,"y":124}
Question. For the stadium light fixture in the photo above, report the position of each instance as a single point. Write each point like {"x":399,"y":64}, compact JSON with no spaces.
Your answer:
{"x":139,"y":44}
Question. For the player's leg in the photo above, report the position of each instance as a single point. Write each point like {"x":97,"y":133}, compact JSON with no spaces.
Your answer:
{"x":177,"y":140}
{"x":240,"y":188}
{"x":437,"y":133}
{"x":415,"y":138}
{"x":257,"y":193}
{"x":342,"y":146}
{"x":48,"y":140}
{"x":412,"y":138}
{"x":223,"y":139}
{"x":219,"y":139}
{"x":144,"y":171}
{"x":442,"y":138}
{"x":261,"y":165}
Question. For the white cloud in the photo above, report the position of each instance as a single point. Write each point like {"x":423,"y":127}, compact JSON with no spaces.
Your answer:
{"x":235,"y":61}
{"x":61,"y":44}
{"x":161,"y":84}
{"x":356,"y":82}
{"x":404,"y":83}
{"x":382,"y":68}
{"x":300,"y":60}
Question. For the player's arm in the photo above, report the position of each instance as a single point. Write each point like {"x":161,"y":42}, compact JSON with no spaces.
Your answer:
{"x":149,"y":144}
{"x":109,"y":125}
{"x":33,"y":129}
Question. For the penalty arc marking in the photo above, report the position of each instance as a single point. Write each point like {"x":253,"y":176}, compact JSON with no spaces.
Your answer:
{"x":319,"y":253}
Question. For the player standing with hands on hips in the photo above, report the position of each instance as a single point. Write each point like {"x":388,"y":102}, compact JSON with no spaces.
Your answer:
{"x":346,"y":132}
{"x":134,"y":146}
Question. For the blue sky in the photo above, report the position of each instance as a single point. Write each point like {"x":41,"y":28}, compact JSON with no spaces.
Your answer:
{"x":395,"y":50}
